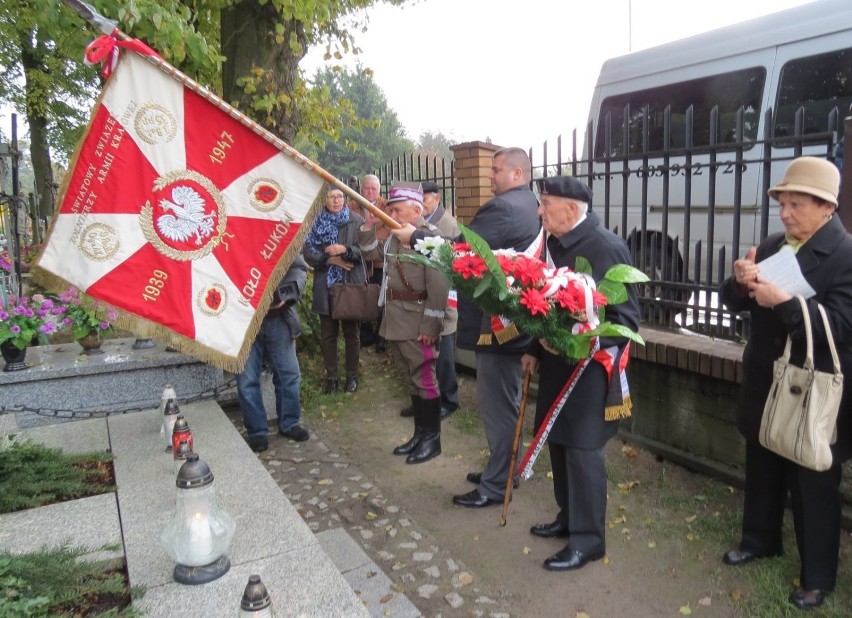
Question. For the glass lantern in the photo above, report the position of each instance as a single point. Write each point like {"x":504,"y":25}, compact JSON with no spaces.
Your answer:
{"x":256,"y":602}
{"x":170,"y":411}
{"x":198,"y":536}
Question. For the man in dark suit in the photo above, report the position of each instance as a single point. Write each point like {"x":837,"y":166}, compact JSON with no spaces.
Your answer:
{"x":577,"y":440}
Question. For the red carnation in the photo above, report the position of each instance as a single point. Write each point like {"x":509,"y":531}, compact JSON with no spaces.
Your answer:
{"x":535,"y":301}
{"x":568,"y":298}
{"x":599,"y":299}
{"x":528,"y":271}
{"x":469,"y":266}
{"x":459,"y":247}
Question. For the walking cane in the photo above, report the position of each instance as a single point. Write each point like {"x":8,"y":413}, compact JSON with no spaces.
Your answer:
{"x":510,"y":478}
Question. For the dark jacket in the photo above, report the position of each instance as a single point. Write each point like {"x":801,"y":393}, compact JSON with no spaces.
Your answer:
{"x":507,"y":221}
{"x":581,"y":422}
{"x":289,"y":291}
{"x":318,"y":260}
{"x":826,"y":263}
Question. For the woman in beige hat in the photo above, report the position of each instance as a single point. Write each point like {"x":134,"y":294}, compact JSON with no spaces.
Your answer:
{"x":808,"y":198}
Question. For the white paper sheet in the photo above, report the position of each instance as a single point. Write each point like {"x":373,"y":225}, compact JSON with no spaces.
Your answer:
{"x":783,"y":270}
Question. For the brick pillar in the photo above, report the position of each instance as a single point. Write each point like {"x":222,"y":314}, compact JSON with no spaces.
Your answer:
{"x":472,"y":172}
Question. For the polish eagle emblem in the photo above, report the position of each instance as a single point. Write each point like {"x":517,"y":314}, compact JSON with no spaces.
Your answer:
{"x":185,"y":216}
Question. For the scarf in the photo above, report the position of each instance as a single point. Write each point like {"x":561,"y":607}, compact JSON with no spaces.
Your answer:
{"x":323,"y":233}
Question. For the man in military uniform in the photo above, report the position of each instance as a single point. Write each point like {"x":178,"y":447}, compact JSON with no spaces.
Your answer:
{"x":415,"y":301}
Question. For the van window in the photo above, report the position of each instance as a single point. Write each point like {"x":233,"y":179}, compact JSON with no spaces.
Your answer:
{"x":817,"y":83}
{"x":729,"y":91}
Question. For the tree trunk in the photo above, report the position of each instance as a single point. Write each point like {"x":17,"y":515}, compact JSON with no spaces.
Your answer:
{"x":248,"y":43}
{"x":37,"y":121}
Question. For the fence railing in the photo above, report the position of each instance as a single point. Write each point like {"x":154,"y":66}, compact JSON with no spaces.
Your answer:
{"x":418,"y":167}
{"x":687,"y":212}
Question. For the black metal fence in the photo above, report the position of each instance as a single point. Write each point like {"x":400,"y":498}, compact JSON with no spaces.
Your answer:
{"x":687,"y":210}
{"x":418,"y":167}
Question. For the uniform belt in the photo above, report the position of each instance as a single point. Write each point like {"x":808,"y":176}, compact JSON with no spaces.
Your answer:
{"x":406,"y":295}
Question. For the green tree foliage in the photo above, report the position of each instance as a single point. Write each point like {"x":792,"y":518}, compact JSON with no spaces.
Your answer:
{"x":370,"y":133}
{"x":433,"y":145}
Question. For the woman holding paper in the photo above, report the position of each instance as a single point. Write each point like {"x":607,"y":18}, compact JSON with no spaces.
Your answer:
{"x":823,"y":253}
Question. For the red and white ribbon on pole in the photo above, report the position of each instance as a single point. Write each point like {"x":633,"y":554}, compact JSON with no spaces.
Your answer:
{"x":105,"y":49}
{"x":525,"y":469}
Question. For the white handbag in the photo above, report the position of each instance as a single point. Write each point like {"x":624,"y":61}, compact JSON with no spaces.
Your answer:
{"x":800,"y":415}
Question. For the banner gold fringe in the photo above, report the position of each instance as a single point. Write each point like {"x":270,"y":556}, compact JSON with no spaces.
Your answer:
{"x":507,"y":334}
{"x":484,"y":339}
{"x":614,"y":413}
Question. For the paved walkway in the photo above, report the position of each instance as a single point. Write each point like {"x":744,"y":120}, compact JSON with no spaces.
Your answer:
{"x":330,"y":492}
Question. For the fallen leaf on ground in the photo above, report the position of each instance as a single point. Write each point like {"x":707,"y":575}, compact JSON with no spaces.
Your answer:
{"x":582,"y":615}
{"x":652,"y":544}
{"x":627,"y":486}
{"x":685,"y":610}
{"x":629,"y":451}
{"x":690,"y":519}
{"x":550,"y":474}
{"x":398,"y":587}
{"x":370,"y":516}
{"x":704,"y":601}
{"x":527,"y":549}
{"x":736,"y":594}
{"x":325,"y":482}
{"x":371,"y":574}
{"x":465,"y":578}
{"x":386,"y":598}
{"x":476,"y":538}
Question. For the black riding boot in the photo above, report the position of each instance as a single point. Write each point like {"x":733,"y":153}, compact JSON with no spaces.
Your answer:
{"x":429,"y":445}
{"x":408,"y":447}
{"x":409,"y":411}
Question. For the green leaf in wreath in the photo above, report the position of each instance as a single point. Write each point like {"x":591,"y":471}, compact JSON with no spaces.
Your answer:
{"x":481,"y":248}
{"x":624,"y":273}
{"x":483,"y":286}
{"x":582,"y":265}
{"x":614,"y":291}
{"x":618,"y":330}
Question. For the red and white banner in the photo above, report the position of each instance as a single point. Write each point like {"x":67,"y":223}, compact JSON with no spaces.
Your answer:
{"x":178,"y":214}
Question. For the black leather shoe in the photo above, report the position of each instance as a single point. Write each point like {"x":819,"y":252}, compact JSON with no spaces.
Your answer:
{"x":474,"y":500}
{"x":447,"y":411}
{"x":351,"y":385}
{"x":739,"y":557}
{"x":570,"y":559}
{"x":330,"y":385}
{"x":407,"y":412}
{"x":258,"y":443}
{"x":554,"y":530}
{"x":295,"y":433}
{"x":476,"y":479}
{"x":808,"y":599}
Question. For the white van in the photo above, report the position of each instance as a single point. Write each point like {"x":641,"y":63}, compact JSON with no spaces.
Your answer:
{"x":797,"y":58}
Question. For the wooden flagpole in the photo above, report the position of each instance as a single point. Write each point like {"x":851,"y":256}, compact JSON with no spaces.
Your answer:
{"x":108,"y":27}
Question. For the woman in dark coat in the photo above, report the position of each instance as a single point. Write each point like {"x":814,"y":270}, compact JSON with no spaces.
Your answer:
{"x":331,"y":249}
{"x":808,"y":198}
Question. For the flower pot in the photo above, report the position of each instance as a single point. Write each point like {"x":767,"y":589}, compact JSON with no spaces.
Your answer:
{"x":13,"y":356}
{"x":91,"y":344}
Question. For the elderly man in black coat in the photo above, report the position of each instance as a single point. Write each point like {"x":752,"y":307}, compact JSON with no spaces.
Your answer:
{"x":578,"y":438}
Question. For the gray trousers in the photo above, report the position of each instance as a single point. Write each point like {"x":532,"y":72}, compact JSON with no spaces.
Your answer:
{"x":579,"y":485}
{"x":498,"y":392}
{"x":446,"y":370}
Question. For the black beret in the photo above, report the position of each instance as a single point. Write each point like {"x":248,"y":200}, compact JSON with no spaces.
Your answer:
{"x":429,"y":187}
{"x":565,"y":186}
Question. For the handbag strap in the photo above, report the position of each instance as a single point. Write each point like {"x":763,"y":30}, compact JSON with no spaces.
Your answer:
{"x":830,"y":338}
{"x":809,"y":348}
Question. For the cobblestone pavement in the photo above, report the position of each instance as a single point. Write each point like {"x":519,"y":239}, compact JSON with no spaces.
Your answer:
{"x":330,"y":491}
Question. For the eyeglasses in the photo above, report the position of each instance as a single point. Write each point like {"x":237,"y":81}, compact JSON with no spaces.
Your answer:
{"x":336,"y":197}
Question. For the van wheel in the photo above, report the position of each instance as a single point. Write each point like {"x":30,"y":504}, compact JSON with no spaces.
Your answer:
{"x":664,"y":296}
